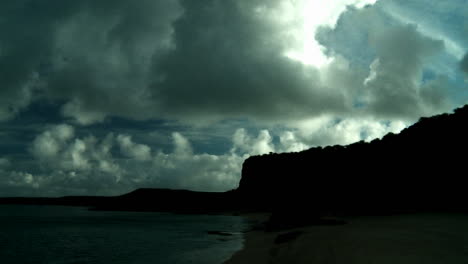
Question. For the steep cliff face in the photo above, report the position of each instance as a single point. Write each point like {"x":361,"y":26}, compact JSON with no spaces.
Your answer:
{"x":423,"y":167}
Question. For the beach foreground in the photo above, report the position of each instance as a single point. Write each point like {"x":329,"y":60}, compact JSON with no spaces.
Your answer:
{"x":420,"y":238}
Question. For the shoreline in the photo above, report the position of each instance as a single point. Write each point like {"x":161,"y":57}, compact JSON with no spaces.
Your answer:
{"x":415,"y":238}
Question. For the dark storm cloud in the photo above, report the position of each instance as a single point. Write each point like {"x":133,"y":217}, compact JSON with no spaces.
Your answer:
{"x":156,"y":59}
{"x":26,"y":41}
{"x":228,"y":62}
{"x":104,"y":53}
{"x":196,"y":61}
{"x":216,"y":59}
{"x":79,"y":51}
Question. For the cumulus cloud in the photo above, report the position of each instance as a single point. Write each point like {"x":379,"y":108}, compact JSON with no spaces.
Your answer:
{"x":398,"y":56}
{"x":245,"y":143}
{"x":133,"y":150}
{"x":66,"y":164}
{"x":50,"y":142}
{"x":77,"y":159}
{"x":181,"y":145}
{"x":183,"y":169}
{"x":395,"y":81}
{"x":329,"y":130}
{"x":18,"y":183}
{"x":291,"y":143}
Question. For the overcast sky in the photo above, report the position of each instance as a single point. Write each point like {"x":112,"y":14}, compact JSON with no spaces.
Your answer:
{"x":102,"y":97}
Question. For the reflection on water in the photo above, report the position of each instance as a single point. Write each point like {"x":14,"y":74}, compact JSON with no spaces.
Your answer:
{"x":48,"y":234}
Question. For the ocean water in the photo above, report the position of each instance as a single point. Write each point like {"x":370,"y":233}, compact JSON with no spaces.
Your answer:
{"x":73,"y":235}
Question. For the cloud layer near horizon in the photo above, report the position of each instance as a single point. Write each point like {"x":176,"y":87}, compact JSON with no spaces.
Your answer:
{"x":65,"y":163}
{"x":212,"y":63}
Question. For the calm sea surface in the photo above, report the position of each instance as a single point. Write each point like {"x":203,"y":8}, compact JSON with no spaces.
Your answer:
{"x":65,"y":235}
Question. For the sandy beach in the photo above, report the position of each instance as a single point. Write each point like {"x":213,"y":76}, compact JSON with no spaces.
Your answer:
{"x":420,"y":238}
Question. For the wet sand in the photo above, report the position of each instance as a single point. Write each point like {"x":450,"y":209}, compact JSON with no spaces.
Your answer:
{"x":421,"y":238}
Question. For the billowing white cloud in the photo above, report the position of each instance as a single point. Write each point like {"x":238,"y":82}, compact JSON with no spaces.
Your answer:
{"x":68,"y":158}
{"x":182,"y":146}
{"x":291,"y":143}
{"x":133,"y":150}
{"x":328,"y":130}
{"x":399,"y":58}
{"x":244,"y":143}
{"x":51,"y":142}
{"x":65,"y":164}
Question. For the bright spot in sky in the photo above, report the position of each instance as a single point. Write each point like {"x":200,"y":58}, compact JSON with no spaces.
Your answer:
{"x":313,"y":14}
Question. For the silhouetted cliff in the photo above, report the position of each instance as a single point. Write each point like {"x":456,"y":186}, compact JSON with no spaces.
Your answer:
{"x":422,"y":168}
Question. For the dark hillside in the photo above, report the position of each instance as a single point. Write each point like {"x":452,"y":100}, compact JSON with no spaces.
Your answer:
{"x":422,"y":168}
